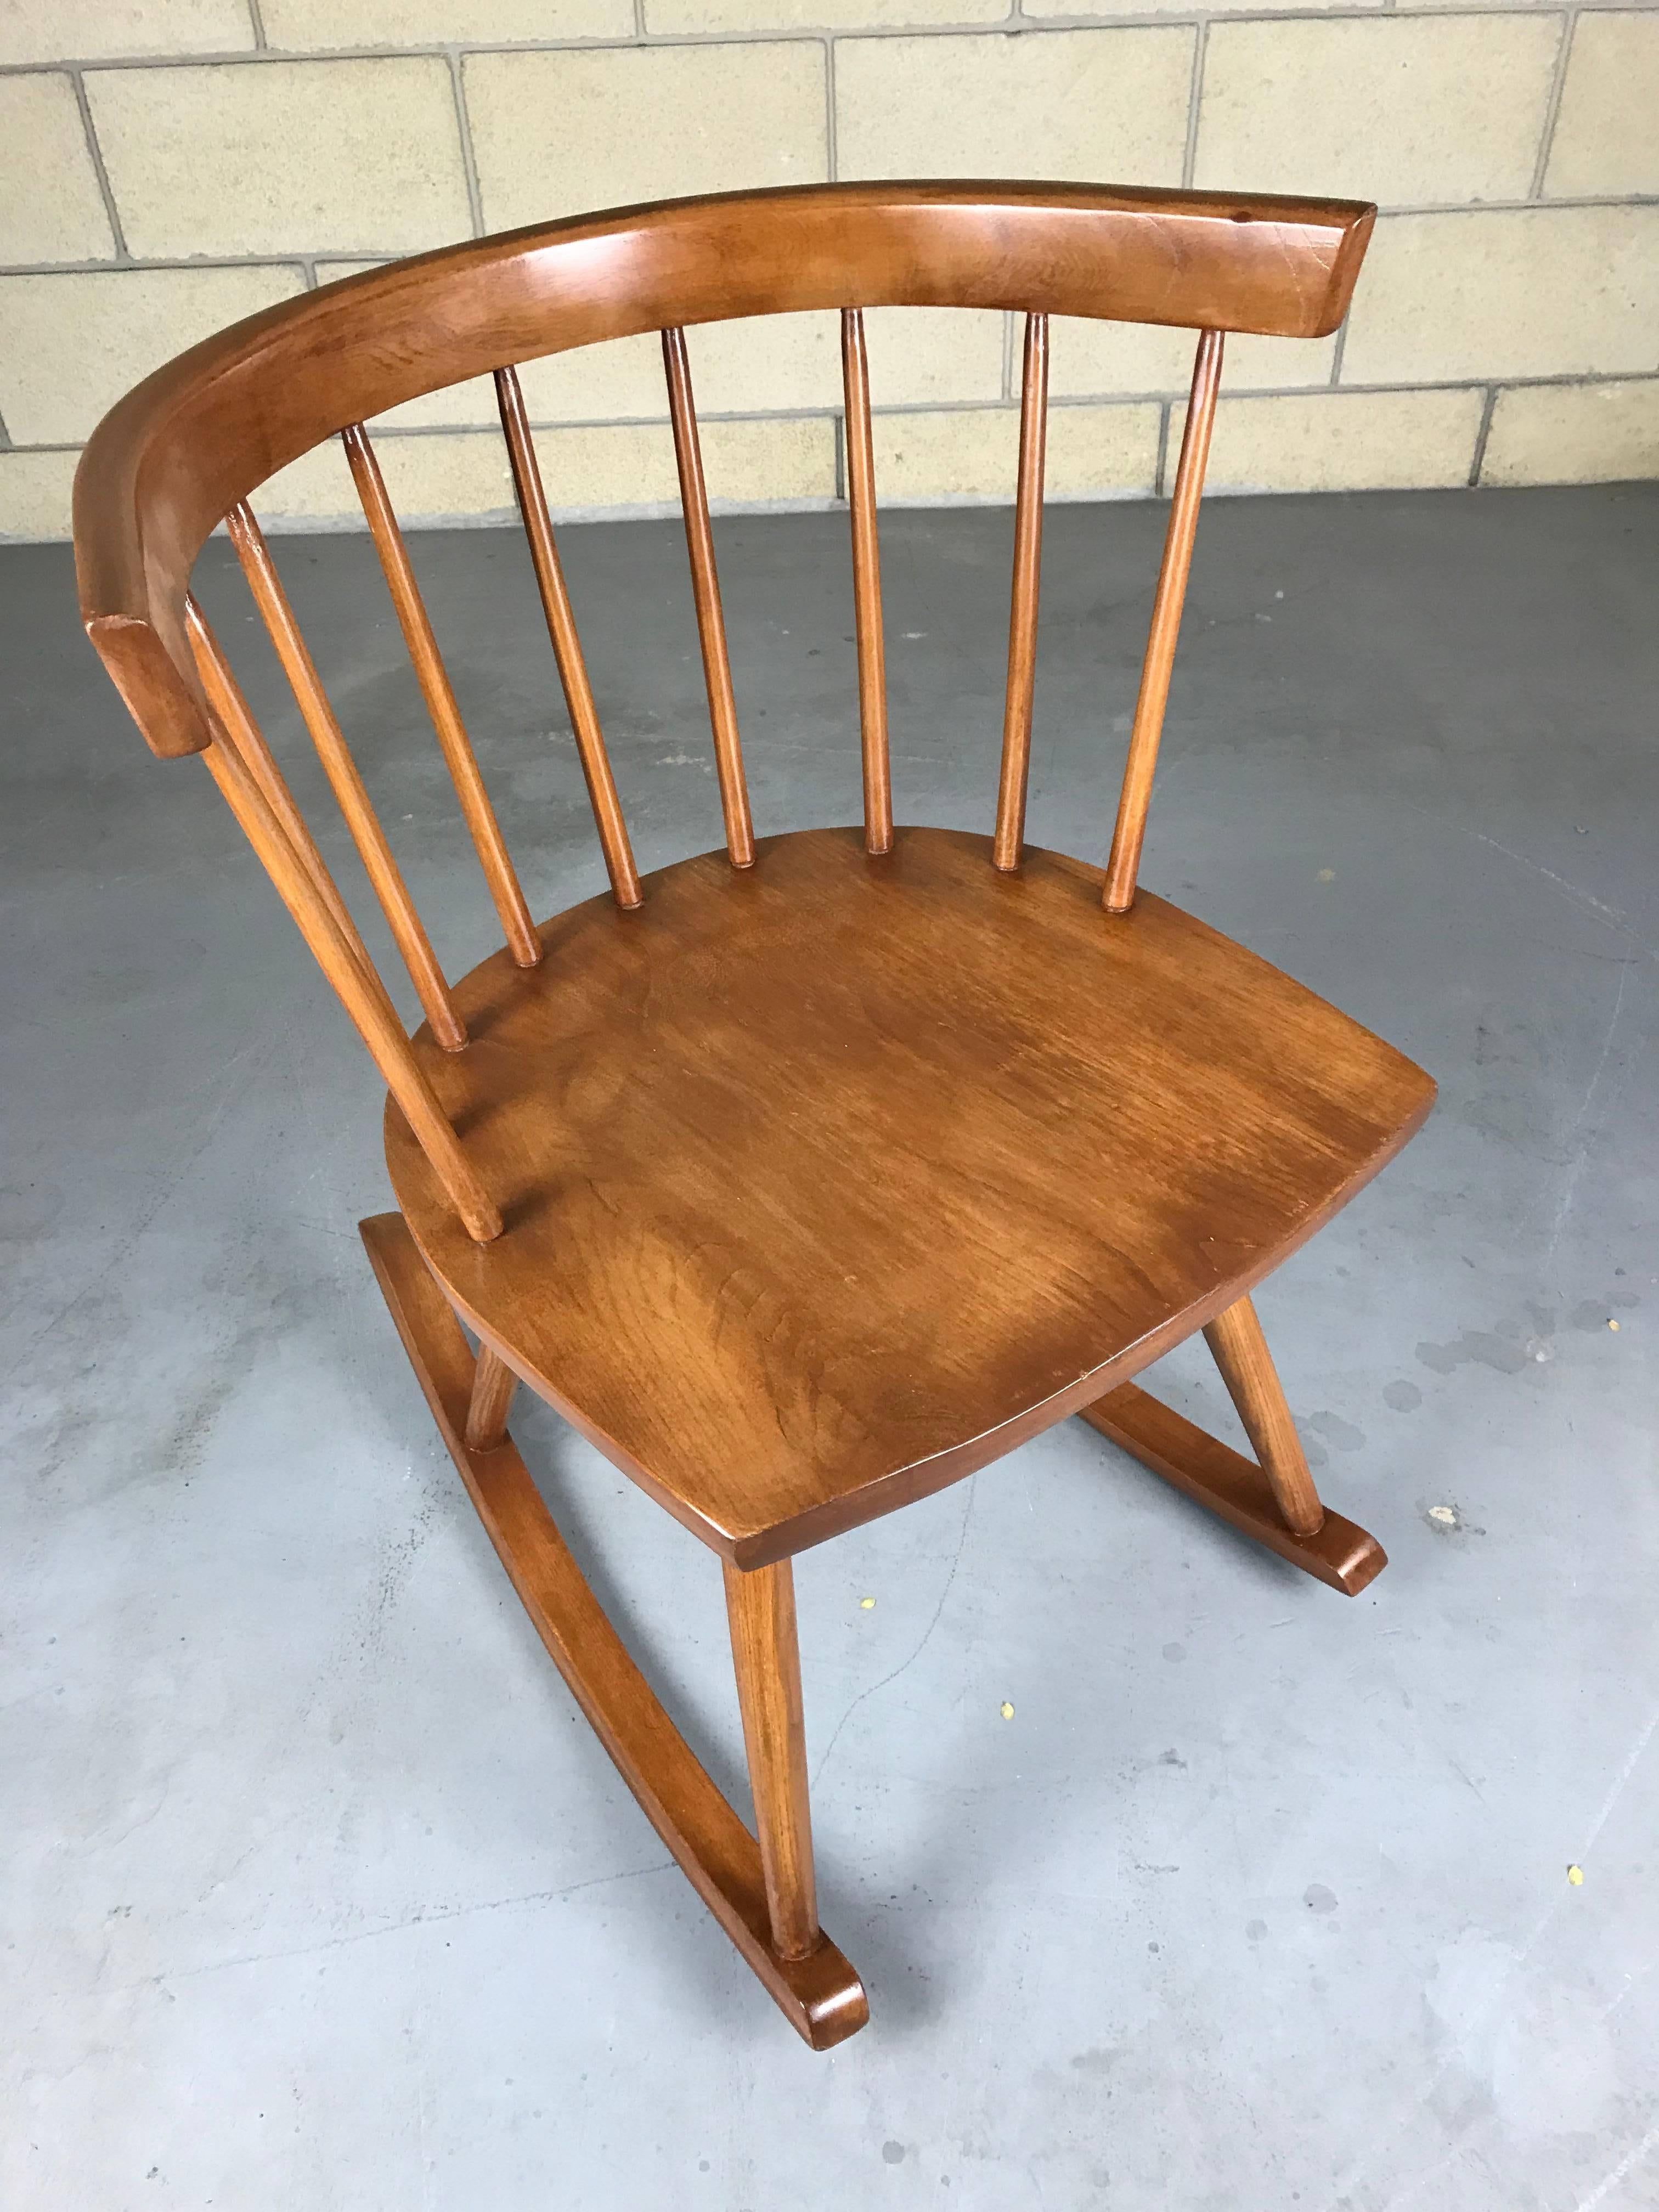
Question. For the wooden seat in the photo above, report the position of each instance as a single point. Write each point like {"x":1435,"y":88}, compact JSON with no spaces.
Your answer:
{"x":808,"y":1176}
{"x":828,"y":1182}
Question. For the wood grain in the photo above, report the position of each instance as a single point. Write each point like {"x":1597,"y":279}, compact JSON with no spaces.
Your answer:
{"x":1022,"y":612}
{"x":706,"y":592}
{"x":818,"y":1994}
{"x":1338,"y":1554}
{"x":439,"y":693}
{"x":169,"y":461}
{"x":832,"y":1180}
{"x":866,"y":587}
{"x":566,"y":645}
{"x":1168,"y":600}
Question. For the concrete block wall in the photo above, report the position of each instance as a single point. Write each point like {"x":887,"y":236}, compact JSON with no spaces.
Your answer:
{"x":166,"y":166}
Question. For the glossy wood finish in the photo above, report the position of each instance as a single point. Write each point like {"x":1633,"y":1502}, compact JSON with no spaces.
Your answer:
{"x":1168,"y":600}
{"x":170,"y":460}
{"x":419,"y":1115}
{"x":1022,"y":613}
{"x":806,"y":1178}
{"x":440,"y":696}
{"x":407,"y":931}
{"x":761,"y":1609}
{"x":566,"y":645}
{"x":706,"y":591}
{"x":866,"y":587}
{"x":1338,"y":1554}
{"x":494,"y":1385}
{"x":830,"y":1181}
{"x":818,"y":1993}
{"x":1241,"y":1353}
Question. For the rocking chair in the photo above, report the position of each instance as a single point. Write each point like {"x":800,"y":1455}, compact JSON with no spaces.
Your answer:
{"x":804,"y":1177}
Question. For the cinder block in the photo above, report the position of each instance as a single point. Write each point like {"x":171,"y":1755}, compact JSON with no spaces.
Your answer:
{"x":1532,"y":292}
{"x":1606,"y":133}
{"x":757,"y":365}
{"x":972,"y":453}
{"x":621,"y":378}
{"x":1338,"y":442}
{"x":51,"y":207}
{"x":760,"y":365}
{"x":90,"y":30}
{"x":1400,"y":109}
{"x":557,"y":133}
{"x":750,"y":462}
{"x":71,"y":345}
{"x":1105,"y":358}
{"x":1068,"y":104}
{"x":611,"y":468}
{"x":318,"y":487}
{"x":746,"y":464}
{"x":283,"y":157}
{"x":757,"y":17}
{"x":1573,"y":434}
{"x":35,"y":495}
{"x":917,"y":355}
{"x":928,"y":459}
{"x":1102,"y":452}
{"x":1075,"y":7}
{"x":295,"y":25}
{"x":471,"y":405}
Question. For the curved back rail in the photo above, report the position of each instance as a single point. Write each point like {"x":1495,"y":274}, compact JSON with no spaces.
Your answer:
{"x":184,"y":450}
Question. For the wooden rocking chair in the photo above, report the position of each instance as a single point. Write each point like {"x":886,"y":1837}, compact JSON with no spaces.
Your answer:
{"x":806,"y":1177}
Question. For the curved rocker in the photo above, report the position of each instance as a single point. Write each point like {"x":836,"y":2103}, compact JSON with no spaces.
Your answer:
{"x":673,"y":1108}
{"x":807,"y":1177}
{"x":814,"y":1988}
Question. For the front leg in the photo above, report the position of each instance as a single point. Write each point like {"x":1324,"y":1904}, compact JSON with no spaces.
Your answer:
{"x":766,"y":1655}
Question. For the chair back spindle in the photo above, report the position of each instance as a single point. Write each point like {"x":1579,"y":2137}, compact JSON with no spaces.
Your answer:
{"x":242,"y":733}
{"x":567,"y":646}
{"x":186,"y":449}
{"x":1168,"y":600}
{"x":706,"y":592}
{"x":1023,"y":610}
{"x":375,"y":1023}
{"x":407,"y":931}
{"x":866,"y":587}
{"x":435,"y":689}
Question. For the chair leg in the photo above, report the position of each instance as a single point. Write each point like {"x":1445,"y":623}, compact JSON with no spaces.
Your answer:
{"x":761,"y":1608}
{"x":1247,"y":1368}
{"x":764,"y":1904}
{"x":1274,"y":1503}
{"x":493,"y":1385}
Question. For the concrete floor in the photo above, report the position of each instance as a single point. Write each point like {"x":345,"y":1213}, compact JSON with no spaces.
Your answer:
{"x":320,"y":1895}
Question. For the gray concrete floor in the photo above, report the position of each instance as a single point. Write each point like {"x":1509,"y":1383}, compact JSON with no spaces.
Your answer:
{"x":320,"y":1895}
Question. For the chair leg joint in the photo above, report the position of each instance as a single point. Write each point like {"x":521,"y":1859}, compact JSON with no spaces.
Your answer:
{"x":493,"y":1385}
